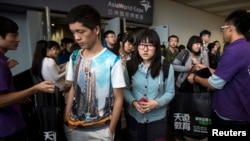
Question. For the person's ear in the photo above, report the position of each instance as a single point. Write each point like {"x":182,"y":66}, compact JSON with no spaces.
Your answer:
{"x":97,"y":30}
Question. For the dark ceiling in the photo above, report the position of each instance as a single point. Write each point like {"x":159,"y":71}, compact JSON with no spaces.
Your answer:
{"x":217,"y":7}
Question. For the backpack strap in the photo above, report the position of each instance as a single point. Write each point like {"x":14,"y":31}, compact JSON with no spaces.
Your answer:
{"x":74,"y":54}
{"x":165,"y":68}
{"x":185,"y":57}
{"x":129,"y":69}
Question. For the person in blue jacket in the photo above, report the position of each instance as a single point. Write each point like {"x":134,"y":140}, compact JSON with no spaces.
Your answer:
{"x":149,"y":89}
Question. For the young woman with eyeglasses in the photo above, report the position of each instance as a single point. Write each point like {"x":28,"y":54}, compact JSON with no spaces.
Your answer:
{"x":148,"y":90}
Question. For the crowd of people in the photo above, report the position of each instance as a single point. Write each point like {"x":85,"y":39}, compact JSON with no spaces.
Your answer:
{"x":95,"y":80}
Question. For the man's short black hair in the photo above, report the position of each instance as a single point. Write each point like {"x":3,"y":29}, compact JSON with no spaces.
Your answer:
{"x":173,"y":36}
{"x":85,"y":14}
{"x":66,"y":40}
{"x":205,"y":32}
{"x":106,"y":33}
{"x":240,"y":19}
{"x":7,"y":26}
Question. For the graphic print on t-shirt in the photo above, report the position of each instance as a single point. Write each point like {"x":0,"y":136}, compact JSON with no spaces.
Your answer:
{"x":90,"y":105}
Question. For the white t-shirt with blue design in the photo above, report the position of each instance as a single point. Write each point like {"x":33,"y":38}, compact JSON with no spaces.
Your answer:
{"x":96,"y":78}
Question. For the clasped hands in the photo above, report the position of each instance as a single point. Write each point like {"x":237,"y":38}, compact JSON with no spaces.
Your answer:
{"x":145,"y":107}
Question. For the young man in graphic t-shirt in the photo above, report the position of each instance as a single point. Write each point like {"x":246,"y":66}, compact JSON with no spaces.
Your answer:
{"x":96,"y":97}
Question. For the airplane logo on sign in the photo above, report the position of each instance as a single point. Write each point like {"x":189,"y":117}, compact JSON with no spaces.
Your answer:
{"x":145,"y":4}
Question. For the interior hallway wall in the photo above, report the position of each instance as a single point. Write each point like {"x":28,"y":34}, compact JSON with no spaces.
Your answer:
{"x":185,"y":21}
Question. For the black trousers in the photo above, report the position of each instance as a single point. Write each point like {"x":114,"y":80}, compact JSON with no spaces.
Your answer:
{"x":152,"y":131}
{"x":19,"y":136}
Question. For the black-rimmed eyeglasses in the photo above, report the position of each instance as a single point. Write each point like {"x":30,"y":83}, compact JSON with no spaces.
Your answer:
{"x":149,"y":46}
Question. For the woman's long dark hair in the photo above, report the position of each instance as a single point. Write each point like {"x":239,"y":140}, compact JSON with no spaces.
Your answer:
{"x":152,"y":37}
{"x":39,"y":54}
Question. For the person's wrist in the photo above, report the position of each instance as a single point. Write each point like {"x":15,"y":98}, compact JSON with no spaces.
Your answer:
{"x":194,"y":78}
{"x":133,"y":103}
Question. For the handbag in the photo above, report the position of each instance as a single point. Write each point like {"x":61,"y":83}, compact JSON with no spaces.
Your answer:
{"x":49,"y":109}
{"x":188,"y":87}
{"x":191,"y":111}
